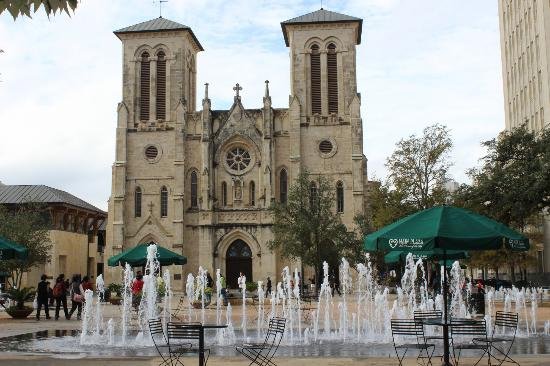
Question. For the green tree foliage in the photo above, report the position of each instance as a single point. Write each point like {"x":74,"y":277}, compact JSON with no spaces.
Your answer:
{"x":513,"y":187}
{"x":27,"y":225}
{"x":307,"y":227}
{"x":513,"y":183}
{"x":25,"y":7}
{"x":419,"y":165}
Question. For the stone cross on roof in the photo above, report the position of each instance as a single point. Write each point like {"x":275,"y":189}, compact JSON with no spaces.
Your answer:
{"x":237,"y":88}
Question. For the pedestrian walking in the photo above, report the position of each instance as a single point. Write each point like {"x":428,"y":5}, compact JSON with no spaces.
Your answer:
{"x":60,"y":296}
{"x":223,"y":291}
{"x":77,"y":297}
{"x":42,"y":297}
{"x":268,"y":287}
{"x":242,"y":281}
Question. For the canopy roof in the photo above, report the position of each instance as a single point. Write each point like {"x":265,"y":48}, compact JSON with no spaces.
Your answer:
{"x":11,"y":250}
{"x":137,"y":256}
{"x":448,"y":228}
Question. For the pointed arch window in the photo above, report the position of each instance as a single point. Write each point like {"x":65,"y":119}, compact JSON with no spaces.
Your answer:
{"x":194,"y":189}
{"x":315,"y":79}
{"x":161,"y":86}
{"x":340,"y":196}
{"x":283,"y":186}
{"x":224,"y":194}
{"x":252,"y":193}
{"x":144,"y":87}
{"x":312,"y":194}
{"x":332,"y":78}
{"x":163,"y":202}
{"x":137,"y":202}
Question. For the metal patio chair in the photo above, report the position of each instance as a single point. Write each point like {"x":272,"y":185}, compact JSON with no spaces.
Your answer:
{"x":508,"y":322}
{"x":180,"y":308}
{"x":470,"y":335}
{"x":262,"y":354}
{"x":411,"y":332}
{"x":159,"y":340}
{"x":422,"y":315}
{"x":185,"y":338}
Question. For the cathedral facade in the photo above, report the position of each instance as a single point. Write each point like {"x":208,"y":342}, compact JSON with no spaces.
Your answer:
{"x":200,"y":183}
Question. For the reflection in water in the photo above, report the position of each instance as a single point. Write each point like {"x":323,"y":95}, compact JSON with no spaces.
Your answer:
{"x":67,"y":342}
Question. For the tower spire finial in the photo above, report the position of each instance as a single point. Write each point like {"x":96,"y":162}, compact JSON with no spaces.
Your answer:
{"x":266,"y":88}
{"x":160,"y":6}
{"x":205,"y":90}
{"x":237,"y":88}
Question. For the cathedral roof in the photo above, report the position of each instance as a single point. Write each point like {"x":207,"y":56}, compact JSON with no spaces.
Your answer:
{"x":17,"y":194}
{"x":158,"y":25}
{"x":322,"y":16}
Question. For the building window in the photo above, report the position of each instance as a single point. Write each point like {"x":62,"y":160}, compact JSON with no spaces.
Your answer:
{"x":137,"y":202}
{"x":340,"y":196}
{"x":238,"y":159}
{"x":161,"y":86}
{"x":283,"y":186}
{"x":315,"y":80}
{"x":332,"y":79}
{"x":145,"y":82}
{"x":252,"y":193}
{"x":224,"y":194}
{"x":194,"y":189}
{"x":163,"y":202}
{"x":312,"y":194}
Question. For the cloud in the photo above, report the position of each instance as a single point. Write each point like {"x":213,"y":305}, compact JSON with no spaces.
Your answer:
{"x":419,"y":62}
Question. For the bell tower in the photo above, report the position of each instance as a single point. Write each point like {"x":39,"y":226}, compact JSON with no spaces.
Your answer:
{"x":323,"y":61}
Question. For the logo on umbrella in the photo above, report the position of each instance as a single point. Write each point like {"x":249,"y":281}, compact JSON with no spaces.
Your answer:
{"x":406,"y":243}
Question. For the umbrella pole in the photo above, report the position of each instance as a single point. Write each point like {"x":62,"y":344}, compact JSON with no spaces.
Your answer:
{"x":446,"y":361}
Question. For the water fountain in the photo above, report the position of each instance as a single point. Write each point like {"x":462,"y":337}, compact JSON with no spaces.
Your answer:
{"x":361,"y":315}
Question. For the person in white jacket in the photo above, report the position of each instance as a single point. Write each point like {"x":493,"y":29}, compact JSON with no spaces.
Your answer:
{"x":242,"y":281}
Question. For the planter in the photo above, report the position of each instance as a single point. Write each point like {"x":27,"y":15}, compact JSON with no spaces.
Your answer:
{"x":19,"y":313}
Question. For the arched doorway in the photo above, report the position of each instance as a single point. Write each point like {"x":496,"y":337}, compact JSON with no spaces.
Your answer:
{"x":238,"y":259}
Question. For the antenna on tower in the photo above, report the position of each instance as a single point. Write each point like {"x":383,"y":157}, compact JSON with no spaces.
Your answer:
{"x":160,"y":2}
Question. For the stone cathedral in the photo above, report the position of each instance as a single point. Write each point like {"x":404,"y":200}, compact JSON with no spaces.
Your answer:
{"x":200,"y":183}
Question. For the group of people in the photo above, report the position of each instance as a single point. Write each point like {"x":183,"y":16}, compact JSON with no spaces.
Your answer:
{"x":63,"y":288}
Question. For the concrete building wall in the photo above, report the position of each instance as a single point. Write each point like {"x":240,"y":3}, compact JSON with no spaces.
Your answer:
{"x":525,"y":54}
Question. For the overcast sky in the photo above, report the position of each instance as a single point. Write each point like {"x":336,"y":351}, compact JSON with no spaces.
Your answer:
{"x":420,"y":62}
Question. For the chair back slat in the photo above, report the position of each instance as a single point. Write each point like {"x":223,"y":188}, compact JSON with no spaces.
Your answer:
{"x":506,"y":319}
{"x":155,"y":327}
{"x":428,"y":314}
{"x":477,"y":328}
{"x":186,"y":331}
{"x":407,"y":327}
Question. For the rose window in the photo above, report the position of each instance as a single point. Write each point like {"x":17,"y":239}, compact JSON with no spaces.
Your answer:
{"x":238,"y":159}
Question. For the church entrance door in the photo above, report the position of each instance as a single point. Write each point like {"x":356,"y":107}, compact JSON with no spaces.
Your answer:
{"x":238,"y":259}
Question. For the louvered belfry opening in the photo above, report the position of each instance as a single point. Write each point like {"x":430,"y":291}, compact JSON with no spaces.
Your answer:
{"x":161,"y":86}
{"x":145,"y":82}
{"x":315,"y":80}
{"x":332,"y":79}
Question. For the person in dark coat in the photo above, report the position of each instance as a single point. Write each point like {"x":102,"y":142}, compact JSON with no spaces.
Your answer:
{"x":77,"y":297}
{"x":60,"y":295}
{"x":268,"y":287}
{"x":42,"y":297}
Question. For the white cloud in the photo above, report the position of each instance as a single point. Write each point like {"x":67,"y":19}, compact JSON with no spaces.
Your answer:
{"x":419,"y":62}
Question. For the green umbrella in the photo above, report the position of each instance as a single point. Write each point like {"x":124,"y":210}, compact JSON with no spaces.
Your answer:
{"x":137,"y":257}
{"x":446,"y":228}
{"x":396,"y":256}
{"x":11,"y":250}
